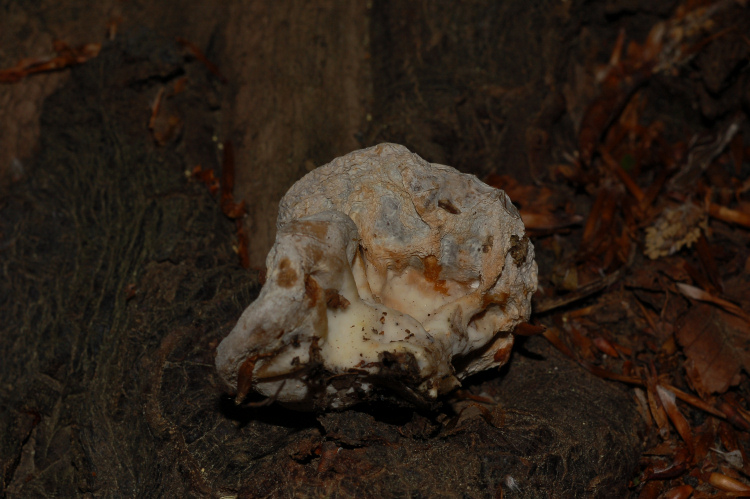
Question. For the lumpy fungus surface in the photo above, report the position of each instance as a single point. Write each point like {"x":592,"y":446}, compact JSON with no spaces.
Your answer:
{"x":388,"y":272}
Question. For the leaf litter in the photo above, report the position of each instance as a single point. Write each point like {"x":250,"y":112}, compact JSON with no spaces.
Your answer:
{"x":645,"y":252}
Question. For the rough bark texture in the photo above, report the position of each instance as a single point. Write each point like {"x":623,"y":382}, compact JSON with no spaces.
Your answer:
{"x":119,"y":278}
{"x":103,"y":215}
{"x":29,"y":29}
{"x":297,"y":97}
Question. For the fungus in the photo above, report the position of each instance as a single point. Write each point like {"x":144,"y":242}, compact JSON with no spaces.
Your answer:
{"x":388,"y":273}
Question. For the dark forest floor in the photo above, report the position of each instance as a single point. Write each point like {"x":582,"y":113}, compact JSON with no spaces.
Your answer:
{"x":620,"y":129}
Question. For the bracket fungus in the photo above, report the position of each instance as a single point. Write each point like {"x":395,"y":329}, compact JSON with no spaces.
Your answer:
{"x":388,"y":274}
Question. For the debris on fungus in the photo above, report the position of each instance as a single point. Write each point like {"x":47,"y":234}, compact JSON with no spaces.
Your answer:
{"x":388,"y":273}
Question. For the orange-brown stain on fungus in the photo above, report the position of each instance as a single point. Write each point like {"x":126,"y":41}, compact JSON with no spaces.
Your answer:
{"x":503,"y":354}
{"x":317,"y":229}
{"x":432,"y":271}
{"x":448,"y":206}
{"x":245,"y":376}
{"x":487,"y":246}
{"x":287,"y":275}
{"x":312,"y":290}
{"x":336,"y":301}
{"x":500,"y":299}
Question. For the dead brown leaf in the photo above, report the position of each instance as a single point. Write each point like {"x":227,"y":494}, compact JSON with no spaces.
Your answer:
{"x":717,"y":346}
{"x":737,"y":289}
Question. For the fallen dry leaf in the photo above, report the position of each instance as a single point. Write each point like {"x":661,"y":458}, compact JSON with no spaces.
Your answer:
{"x":717,"y":346}
{"x":678,"y":420}
{"x":705,"y":296}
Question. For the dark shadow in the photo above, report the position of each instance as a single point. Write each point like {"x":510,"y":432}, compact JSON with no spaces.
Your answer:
{"x":272,"y":414}
{"x":392,"y":414}
{"x":520,"y":347}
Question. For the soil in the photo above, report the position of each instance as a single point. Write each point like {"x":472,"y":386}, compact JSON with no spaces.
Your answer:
{"x":121,"y":273}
